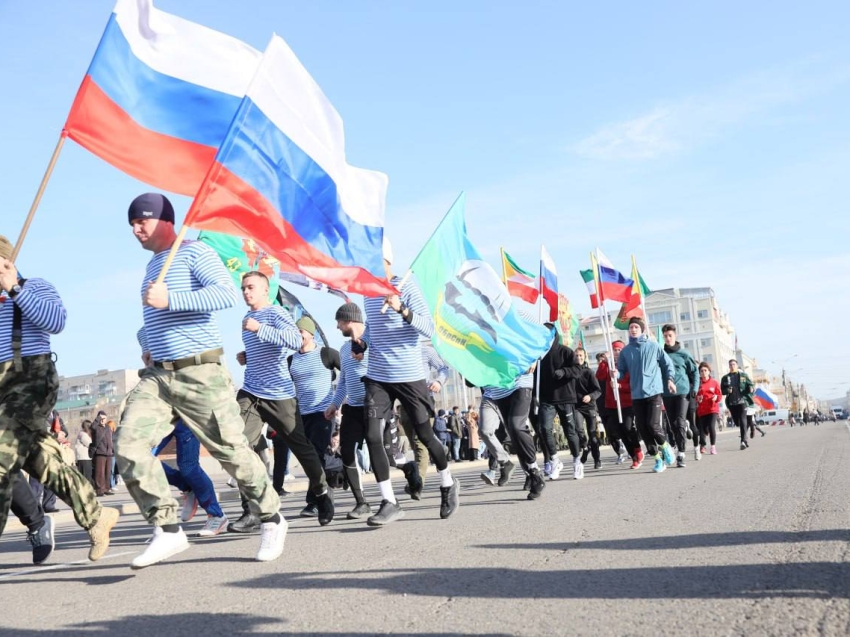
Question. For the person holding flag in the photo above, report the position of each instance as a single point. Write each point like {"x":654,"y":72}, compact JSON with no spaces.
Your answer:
{"x":183,"y":377}
{"x":395,"y":372}
{"x":647,"y":366}
{"x":620,"y":431}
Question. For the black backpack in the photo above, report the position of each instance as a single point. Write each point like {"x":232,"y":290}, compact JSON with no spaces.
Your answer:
{"x":330,"y":359}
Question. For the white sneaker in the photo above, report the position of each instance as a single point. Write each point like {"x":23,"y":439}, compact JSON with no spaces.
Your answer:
{"x":556,"y":468}
{"x":162,"y":546}
{"x":190,"y":506}
{"x":214,"y":526}
{"x":272,"y":537}
{"x":231,"y":482}
{"x":620,"y":459}
{"x":697,"y":454}
{"x":578,"y":469}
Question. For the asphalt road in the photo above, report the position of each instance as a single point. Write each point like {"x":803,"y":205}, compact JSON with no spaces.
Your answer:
{"x":748,"y":542}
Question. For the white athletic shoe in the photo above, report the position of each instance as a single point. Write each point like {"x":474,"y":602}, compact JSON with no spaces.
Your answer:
{"x":555,"y":470}
{"x":578,"y":469}
{"x":214,"y":526}
{"x":162,"y":546}
{"x":272,"y":537}
{"x":697,"y":454}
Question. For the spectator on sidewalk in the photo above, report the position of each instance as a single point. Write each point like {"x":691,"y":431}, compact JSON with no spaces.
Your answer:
{"x":82,"y":451}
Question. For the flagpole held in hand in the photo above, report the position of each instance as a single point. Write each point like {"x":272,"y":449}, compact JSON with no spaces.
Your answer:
{"x":174,"y":248}
{"x":38,"y":195}
{"x":400,"y":285}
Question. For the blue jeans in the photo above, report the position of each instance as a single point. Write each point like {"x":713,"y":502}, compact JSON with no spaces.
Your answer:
{"x":190,"y":476}
{"x":455,"y":446}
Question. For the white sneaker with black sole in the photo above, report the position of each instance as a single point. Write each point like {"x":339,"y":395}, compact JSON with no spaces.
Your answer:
{"x":162,"y":546}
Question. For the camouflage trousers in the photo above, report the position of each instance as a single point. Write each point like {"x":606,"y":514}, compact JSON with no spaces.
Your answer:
{"x":202,"y":396}
{"x":26,"y":399}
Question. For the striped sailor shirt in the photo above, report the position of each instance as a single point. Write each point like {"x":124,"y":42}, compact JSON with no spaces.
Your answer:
{"x":42,"y":314}
{"x":198,"y":285}
{"x":432,"y":361}
{"x":313,"y":381}
{"x":266,"y":370}
{"x":350,"y":388}
{"x":395,"y":354}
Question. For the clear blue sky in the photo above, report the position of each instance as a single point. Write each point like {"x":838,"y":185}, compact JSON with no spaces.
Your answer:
{"x":712,"y":141}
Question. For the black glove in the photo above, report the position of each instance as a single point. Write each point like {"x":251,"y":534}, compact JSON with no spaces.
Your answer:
{"x":559,"y":374}
{"x":357,"y":347}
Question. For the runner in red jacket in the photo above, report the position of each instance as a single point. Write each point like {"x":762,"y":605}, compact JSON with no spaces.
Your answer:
{"x":708,"y":406}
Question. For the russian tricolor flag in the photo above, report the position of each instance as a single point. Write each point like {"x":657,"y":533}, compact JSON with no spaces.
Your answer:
{"x":159,"y":96}
{"x":765,"y":399}
{"x":549,"y":283}
{"x":613,"y":285}
{"x":281,"y":177}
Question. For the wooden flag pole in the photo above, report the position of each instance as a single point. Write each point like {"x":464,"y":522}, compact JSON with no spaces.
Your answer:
{"x":38,"y":195}
{"x":174,"y":248}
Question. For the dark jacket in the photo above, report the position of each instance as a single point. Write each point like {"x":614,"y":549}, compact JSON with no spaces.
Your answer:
{"x":738,"y":389}
{"x":685,"y":372}
{"x":586,"y":384}
{"x":102,"y":440}
{"x":454,"y":425}
{"x":558,"y":372}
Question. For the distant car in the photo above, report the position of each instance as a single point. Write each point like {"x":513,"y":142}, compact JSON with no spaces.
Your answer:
{"x":772,"y":417}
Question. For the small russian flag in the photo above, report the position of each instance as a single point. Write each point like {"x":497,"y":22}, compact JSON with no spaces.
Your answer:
{"x":765,"y":399}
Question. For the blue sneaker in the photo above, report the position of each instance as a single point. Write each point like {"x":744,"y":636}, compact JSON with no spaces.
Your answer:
{"x":667,"y":453}
{"x":660,"y":466}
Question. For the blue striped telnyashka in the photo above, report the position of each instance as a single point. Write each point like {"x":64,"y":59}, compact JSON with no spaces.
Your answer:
{"x":198,"y":285}
{"x":267,"y":372}
{"x":42,"y":314}
{"x":395,"y":354}
{"x":313,"y":381}
{"x":350,"y":388}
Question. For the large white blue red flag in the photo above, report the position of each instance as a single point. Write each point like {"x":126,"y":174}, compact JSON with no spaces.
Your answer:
{"x":281,"y":177}
{"x":159,"y":95}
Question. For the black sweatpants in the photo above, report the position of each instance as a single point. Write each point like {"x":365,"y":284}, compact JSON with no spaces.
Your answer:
{"x":648,"y":422}
{"x":677,"y":413}
{"x":624,"y":432}
{"x":283,"y":417}
{"x":415,"y":399}
{"x":585,"y":415}
{"x":708,"y":427}
{"x":751,"y":423}
{"x":576,"y":436}
{"x":24,"y":505}
{"x":739,"y":417}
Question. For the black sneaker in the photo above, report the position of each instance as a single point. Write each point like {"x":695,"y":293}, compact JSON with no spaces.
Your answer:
{"x":597,"y":464}
{"x":310,"y":511}
{"x":537,"y":485}
{"x":527,"y":484}
{"x":43,"y":542}
{"x":389,"y":512}
{"x":360,"y":511}
{"x":414,"y":482}
{"x":325,"y":506}
{"x":506,"y":469}
{"x":248,"y":523}
{"x":449,"y":499}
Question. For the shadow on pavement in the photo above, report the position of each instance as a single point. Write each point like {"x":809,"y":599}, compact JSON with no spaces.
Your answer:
{"x":698,"y":540}
{"x":192,"y":624}
{"x":798,"y":580}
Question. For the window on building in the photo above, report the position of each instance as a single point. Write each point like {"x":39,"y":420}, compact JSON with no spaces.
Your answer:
{"x":705,"y":342}
{"x":689,"y":344}
{"x":708,"y":358}
{"x":661,"y":317}
{"x":702,"y":314}
{"x":685,"y":316}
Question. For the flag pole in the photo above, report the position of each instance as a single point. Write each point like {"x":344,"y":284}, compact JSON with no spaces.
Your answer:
{"x":540,"y":302}
{"x":603,"y":319}
{"x":173,"y":253}
{"x":46,"y":178}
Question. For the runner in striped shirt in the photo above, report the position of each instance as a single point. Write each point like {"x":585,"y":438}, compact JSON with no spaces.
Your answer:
{"x":349,"y":396}
{"x":433,"y":365}
{"x":312,"y":368}
{"x":30,"y":311}
{"x":396,"y":372}
{"x":184,"y":378}
{"x":268,"y":393}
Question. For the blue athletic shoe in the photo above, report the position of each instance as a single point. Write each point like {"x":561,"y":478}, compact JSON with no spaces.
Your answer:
{"x":667,"y":453}
{"x":660,"y":466}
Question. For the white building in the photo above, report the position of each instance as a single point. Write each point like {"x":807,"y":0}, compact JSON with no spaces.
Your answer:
{"x":81,"y":397}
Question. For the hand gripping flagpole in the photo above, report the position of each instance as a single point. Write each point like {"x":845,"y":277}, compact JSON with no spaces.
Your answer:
{"x":38,"y":195}
{"x":603,"y":319}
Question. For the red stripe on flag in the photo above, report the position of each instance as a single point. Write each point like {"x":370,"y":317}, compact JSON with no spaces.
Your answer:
{"x":100,"y":126}
{"x":232,"y":206}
